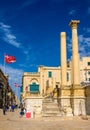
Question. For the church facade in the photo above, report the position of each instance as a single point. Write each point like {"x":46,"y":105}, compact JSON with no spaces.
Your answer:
{"x":68,"y":83}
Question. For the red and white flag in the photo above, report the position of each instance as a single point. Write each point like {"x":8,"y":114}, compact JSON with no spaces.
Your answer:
{"x":16,"y":85}
{"x":9,"y":59}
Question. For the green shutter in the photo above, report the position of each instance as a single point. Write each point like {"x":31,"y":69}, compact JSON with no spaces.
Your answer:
{"x":88,"y":63}
{"x":67,"y":76}
{"x":34,"y":88}
{"x":21,"y":89}
{"x":49,"y":74}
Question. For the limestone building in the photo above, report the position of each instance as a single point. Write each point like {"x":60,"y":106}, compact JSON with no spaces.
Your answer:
{"x":6,"y":93}
{"x":68,"y":84}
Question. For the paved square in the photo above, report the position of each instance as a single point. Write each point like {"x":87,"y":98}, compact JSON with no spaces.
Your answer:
{"x":13,"y":121}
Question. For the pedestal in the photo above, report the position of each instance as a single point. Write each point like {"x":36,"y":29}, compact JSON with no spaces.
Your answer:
{"x":65,"y":101}
{"x":79,"y":101}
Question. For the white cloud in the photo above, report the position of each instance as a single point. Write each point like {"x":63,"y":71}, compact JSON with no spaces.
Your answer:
{"x":4,"y":27}
{"x":81,"y":38}
{"x":27,"y":3}
{"x":72,"y":12}
{"x":84,"y":45}
{"x":87,"y":30}
{"x":89,"y":10}
{"x":69,"y":45}
{"x":27,"y":50}
{"x":11,"y":39}
{"x":8,"y":36}
{"x":84,"y":40}
{"x":87,"y":40}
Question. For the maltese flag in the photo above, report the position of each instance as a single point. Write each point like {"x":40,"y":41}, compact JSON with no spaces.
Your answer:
{"x":16,"y":85}
{"x":9,"y":59}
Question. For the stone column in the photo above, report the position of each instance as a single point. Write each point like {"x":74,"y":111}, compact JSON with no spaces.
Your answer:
{"x":41,"y":80}
{"x":53,"y":83}
{"x":78,"y":91}
{"x":54,"y":87}
{"x":65,"y":91}
{"x":75,"y":54}
{"x":63,"y":59}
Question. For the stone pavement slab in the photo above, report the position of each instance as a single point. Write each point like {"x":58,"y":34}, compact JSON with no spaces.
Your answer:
{"x":12,"y":121}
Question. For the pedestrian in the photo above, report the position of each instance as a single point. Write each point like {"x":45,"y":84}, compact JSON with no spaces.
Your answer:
{"x":22,"y":112}
{"x":4,"y":109}
{"x":12,"y":107}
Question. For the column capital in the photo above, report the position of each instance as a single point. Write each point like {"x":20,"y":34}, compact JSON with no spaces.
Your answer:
{"x":74,"y":24}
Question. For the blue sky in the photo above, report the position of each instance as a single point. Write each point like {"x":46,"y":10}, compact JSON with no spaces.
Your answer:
{"x":30,"y":31}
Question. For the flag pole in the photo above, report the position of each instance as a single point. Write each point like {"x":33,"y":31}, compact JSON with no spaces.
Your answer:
{"x":4,"y":64}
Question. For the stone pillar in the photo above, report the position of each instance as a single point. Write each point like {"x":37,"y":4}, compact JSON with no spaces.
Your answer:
{"x":41,"y":81}
{"x":75,"y":54}
{"x":63,"y":59}
{"x":54,"y":83}
{"x":65,"y":92}
{"x":54,"y":87}
{"x":78,"y":91}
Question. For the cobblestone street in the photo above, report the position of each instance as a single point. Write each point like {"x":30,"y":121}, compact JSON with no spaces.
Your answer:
{"x":12,"y":121}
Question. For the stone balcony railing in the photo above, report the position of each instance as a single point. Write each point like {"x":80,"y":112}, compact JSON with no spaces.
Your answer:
{"x":28,"y":94}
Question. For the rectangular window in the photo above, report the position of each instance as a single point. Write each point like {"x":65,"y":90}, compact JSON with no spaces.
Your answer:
{"x":49,"y":74}
{"x":67,"y":76}
{"x":88,"y":79}
{"x":88,"y":63}
{"x":88,"y":72}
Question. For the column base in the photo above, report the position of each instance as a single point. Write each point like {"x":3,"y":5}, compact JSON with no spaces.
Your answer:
{"x":78,"y":100}
{"x":79,"y":106}
{"x":66,"y":106}
{"x":66,"y":101}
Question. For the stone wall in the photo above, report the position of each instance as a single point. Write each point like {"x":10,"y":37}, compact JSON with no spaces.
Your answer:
{"x":87,"y":93}
{"x":33,"y":105}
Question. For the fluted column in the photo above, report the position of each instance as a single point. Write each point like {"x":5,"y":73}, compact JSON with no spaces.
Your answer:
{"x":65,"y":91}
{"x":41,"y":80}
{"x":75,"y":54}
{"x":78,"y":92}
{"x":54,"y":83}
{"x":63,"y":59}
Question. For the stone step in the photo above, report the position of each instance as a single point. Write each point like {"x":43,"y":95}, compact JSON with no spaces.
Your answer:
{"x":51,"y":115}
{"x":48,"y":101}
{"x":53,"y":109}
{"x":50,"y":108}
{"x":52,"y":112}
{"x":50,"y":105}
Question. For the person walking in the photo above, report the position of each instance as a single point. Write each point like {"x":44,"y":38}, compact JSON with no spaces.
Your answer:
{"x":4,"y":109}
{"x":22,"y":112}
